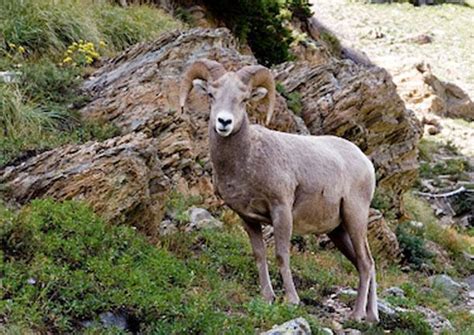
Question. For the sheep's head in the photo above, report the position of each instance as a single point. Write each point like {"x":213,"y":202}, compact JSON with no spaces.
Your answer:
{"x":229,"y":92}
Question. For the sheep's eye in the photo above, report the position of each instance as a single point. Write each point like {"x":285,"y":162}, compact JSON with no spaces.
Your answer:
{"x":210,"y":95}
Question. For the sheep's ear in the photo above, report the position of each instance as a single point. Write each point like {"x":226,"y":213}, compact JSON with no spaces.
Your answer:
{"x":200,"y":85}
{"x":258,"y":93}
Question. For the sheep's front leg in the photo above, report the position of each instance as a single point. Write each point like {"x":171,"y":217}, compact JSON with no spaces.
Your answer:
{"x":254,"y":230}
{"x":282,"y":228}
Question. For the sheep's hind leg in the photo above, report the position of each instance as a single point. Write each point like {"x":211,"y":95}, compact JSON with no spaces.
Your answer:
{"x":341,"y":239}
{"x":282,"y":228}
{"x":254,"y":230}
{"x":355,"y":217}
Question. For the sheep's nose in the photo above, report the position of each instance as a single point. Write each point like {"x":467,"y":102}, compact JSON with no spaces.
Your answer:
{"x":224,"y":122}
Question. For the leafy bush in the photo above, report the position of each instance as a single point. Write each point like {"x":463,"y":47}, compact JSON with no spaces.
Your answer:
{"x":412,"y":245}
{"x":260,"y":24}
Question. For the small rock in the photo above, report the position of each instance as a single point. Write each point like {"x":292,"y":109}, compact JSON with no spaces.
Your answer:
{"x":31,"y":281}
{"x":470,"y":281}
{"x":168,"y":227}
{"x":433,"y":130}
{"x":327,"y":331}
{"x":420,"y":39}
{"x":349,"y":331}
{"x":336,"y":325}
{"x":416,"y":224}
{"x":395,"y":291}
{"x":297,"y":326}
{"x":10,"y":77}
{"x":348,"y":291}
{"x":110,"y":319}
{"x":447,"y":285}
{"x":199,"y":218}
{"x":385,"y":309}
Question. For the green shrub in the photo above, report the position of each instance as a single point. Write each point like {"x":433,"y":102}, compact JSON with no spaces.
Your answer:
{"x":412,"y":245}
{"x":293,"y":100}
{"x":80,"y":267}
{"x":60,"y":264}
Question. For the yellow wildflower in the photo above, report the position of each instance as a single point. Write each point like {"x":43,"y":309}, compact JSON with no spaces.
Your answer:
{"x":12,"y":45}
{"x":67,"y":60}
{"x":21,"y":49}
{"x":102,"y":44}
{"x":89,"y":60}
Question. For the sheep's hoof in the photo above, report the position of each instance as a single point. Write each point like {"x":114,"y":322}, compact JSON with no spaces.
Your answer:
{"x":356,"y":316}
{"x":372,"y":317}
{"x":269,"y":298}
{"x":294,"y":300}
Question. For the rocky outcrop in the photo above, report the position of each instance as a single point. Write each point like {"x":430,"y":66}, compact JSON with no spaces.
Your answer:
{"x":360,"y":103}
{"x":425,"y":93}
{"x":161,"y":148}
{"x":127,"y":178}
{"x":382,"y":240}
{"x":120,"y":178}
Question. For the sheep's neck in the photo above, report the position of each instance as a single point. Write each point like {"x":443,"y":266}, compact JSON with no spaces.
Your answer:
{"x":228,"y":154}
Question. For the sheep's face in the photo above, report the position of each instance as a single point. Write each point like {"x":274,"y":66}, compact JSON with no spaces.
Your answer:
{"x":228,"y":98}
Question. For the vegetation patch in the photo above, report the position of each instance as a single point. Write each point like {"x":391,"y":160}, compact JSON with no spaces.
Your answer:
{"x":261,"y":24}
{"x":48,"y":47}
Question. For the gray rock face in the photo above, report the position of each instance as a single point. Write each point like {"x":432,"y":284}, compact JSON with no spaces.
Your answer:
{"x":450,"y":288}
{"x":199,"y":219}
{"x":297,"y":326}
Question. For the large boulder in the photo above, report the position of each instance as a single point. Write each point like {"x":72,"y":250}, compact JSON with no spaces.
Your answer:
{"x":120,"y":178}
{"x":360,"y":103}
{"x":425,"y":93}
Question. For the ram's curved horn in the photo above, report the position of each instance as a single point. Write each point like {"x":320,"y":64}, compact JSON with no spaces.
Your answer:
{"x":204,"y":69}
{"x":260,"y":76}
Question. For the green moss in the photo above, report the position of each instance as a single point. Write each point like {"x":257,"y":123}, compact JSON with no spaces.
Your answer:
{"x":293,"y":99}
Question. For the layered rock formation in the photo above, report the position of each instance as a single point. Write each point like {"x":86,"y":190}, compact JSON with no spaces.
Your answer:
{"x":160,"y":148}
{"x":360,"y":103}
{"x":120,"y":178}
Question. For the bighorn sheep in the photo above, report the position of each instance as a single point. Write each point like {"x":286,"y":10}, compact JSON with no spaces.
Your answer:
{"x":305,"y":184}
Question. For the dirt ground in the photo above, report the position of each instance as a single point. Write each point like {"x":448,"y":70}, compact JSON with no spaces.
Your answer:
{"x":389,"y":35}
